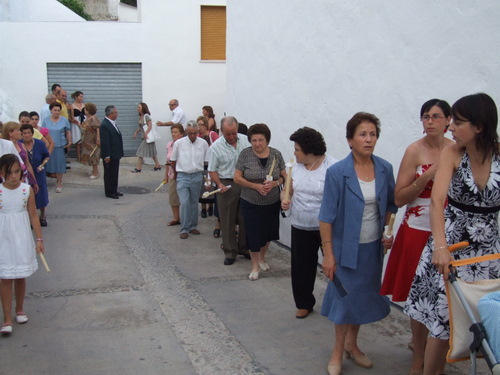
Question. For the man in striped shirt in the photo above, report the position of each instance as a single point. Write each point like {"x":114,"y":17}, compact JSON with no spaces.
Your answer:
{"x":224,"y":153}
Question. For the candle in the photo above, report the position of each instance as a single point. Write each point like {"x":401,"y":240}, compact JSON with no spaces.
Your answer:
{"x":92,"y":153}
{"x":159,"y":186}
{"x":391,"y":225}
{"x":269,"y":176}
{"x":44,"y":262}
{"x":207,"y":194}
{"x":288,"y":180}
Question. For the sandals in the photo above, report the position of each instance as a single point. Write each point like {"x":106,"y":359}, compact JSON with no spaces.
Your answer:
{"x":173,"y":222}
{"x":157,"y":169}
{"x":264,"y":266}
{"x":21,"y":318}
{"x":43,"y":222}
{"x":254,"y":275}
{"x":136,"y":170}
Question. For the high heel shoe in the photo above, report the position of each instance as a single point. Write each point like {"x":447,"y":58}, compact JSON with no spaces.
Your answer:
{"x":334,"y":368}
{"x":360,"y":360}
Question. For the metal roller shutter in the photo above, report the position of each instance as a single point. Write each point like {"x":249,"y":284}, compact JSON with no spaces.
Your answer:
{"x":118,"y":84}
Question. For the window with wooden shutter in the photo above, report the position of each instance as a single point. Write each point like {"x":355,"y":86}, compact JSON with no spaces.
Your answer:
{"x":213,"y":33}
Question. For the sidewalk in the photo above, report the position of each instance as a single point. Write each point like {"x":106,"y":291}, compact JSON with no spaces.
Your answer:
{"x":127,"y":296}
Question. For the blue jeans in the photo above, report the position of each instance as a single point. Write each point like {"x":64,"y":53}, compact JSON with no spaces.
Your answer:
{"x":188,"y":189}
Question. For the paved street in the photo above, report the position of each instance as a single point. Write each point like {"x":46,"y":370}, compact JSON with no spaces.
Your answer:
{"x":127,"y":296}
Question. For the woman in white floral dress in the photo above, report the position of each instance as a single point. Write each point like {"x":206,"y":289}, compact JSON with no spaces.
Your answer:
{"x":469,"y":177}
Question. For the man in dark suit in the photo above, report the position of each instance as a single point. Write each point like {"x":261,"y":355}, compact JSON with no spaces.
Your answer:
{"x":111,"y":152}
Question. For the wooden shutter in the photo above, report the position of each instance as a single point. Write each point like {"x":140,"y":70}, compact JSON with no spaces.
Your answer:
{"x":213,"y":33}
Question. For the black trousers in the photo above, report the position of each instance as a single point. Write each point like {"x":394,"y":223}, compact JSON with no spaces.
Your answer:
{"x":305,"y":245}
{"x":111,"y":170}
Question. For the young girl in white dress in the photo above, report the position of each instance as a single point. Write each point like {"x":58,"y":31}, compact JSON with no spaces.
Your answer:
{"x":17,"y":248}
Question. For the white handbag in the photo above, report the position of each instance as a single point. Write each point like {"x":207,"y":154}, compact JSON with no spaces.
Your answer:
{"x":153,"y":134}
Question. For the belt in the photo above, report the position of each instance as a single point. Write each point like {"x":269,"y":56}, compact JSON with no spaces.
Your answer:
{"x":473,"y":209}
{"x":228,"y":179}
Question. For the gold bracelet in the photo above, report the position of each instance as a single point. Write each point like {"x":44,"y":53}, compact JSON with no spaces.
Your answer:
{"x":323,"y":243}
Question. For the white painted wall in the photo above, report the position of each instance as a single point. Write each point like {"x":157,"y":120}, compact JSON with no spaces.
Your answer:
{"x":294,"y":63}
{"x":167,"y":42}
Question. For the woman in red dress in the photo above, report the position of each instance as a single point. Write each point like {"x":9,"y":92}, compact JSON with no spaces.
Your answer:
{"x":413,"y":188}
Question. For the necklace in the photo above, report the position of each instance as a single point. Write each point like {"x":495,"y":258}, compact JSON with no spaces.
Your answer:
{"x":365,"y":172}
{"x":312,"y":166}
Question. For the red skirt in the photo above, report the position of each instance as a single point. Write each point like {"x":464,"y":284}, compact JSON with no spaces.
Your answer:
{"x":403,"y":262}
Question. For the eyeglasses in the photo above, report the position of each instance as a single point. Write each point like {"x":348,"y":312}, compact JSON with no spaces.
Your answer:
{"x":434,"y":117}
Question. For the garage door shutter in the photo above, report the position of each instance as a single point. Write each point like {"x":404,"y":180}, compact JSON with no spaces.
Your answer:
{"x":118,"y":84}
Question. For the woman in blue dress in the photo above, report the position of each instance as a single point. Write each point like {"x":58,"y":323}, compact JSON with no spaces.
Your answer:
{"x":38,"y":156}
{"x":358,"y":200}
{"x":60,"y":132}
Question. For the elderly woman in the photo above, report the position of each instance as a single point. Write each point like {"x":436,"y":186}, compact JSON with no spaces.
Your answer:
{"x":91,"y":140}
{"x":260,"y":170}
{"x":413,"y":188}
{"x":467,"y":178}
{"x":357,"y":203}
{"x":146,"y":149}
{"x":177,"y":131}
{"x":306,"y":191}
{"x":38,"y":156}
{"x":60,"y":132}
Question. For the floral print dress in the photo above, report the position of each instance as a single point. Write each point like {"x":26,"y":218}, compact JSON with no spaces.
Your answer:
{"x":471,"y":215}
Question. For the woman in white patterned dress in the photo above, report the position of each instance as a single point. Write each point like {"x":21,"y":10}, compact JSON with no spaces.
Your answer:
{"x":469,"y":178}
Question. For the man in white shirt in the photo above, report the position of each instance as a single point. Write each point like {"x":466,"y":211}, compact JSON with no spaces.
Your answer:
{"x":178,"y":116}
{"x":224,"y":154}
{"x":188,"y":159}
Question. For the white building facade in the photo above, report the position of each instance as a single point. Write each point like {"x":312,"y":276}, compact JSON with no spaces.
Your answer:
{"x":293,"y":63}
{"x":164,"y":44}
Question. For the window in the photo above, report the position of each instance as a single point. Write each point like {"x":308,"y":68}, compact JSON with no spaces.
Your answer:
{"x":213,"y":33}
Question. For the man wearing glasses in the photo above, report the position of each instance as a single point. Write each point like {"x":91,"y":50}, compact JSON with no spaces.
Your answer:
{"x":178,"y":116}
